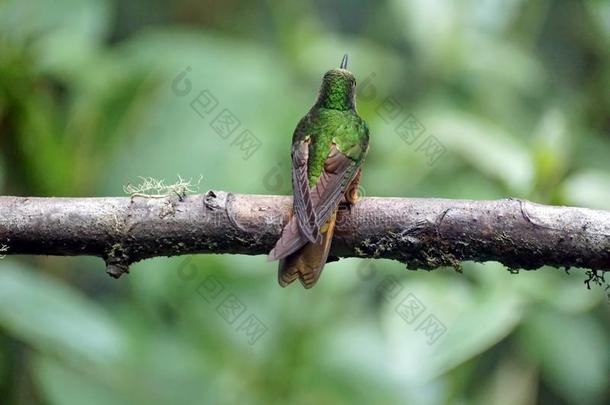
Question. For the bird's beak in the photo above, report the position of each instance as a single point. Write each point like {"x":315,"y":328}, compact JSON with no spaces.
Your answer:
{"x":344,"y":62}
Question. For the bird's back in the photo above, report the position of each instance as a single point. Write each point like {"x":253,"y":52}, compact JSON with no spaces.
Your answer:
{"x":324,"y":126}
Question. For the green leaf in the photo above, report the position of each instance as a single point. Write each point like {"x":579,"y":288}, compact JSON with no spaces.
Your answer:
{"x":572,"y":351}
{"x":487,"y":147}
{"x":82,"y":18}
{"x":474,"y":321}
{"x":54,"y":318}
{"x":590,"y":188}
{"x":63,"y":385}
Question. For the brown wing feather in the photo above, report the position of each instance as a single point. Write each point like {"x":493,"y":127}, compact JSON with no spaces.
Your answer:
{"x":303,"y":206}
{"x":338,"y":171}
{"x":290,"y":241}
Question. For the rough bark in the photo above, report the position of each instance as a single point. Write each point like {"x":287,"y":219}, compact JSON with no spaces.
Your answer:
{"x":423,"y":233}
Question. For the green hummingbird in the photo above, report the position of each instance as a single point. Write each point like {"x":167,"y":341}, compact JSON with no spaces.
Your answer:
{"x":329,"y":145}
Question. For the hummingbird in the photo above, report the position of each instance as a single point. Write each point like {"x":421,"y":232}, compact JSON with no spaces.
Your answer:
{"x":329,"y":146}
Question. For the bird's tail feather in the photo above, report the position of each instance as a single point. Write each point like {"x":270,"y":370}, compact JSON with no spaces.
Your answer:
{"x":307,"y":262}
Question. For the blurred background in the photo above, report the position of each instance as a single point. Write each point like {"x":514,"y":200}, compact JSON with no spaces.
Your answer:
{"x":514,"y":96}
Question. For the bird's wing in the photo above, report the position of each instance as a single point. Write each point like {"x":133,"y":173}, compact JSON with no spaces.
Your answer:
{"x":338,"y":171}
{"x":290,"y":241}
{"x":325,"y":196}
{"x":302,"y":202}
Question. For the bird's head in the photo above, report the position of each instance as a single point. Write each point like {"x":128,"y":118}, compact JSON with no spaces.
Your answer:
{"x":338,"y":89}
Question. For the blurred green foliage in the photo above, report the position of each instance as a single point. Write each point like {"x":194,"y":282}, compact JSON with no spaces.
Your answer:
{"x":517,"y":93}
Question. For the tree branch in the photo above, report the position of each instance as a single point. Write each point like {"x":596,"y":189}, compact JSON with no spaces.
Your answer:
{"x":423,"y":233}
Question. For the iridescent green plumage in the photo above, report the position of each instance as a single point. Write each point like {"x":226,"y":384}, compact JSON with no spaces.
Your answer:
{"x":328,"y":148}
{"x":323,"y":127}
